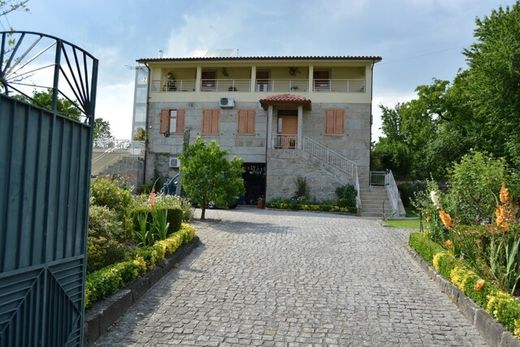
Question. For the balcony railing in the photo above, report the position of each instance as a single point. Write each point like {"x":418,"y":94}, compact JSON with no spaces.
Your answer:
{"x":173,"y":85}
{"x":225,"y":85}
{"x":282,"y":85}
{"x":284,"y":141}
{"x":262,"y":85}
{"x":339,"y":85}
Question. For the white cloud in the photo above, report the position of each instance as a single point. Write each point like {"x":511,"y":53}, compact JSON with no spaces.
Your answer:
{"x":387,"y":98}
{"x":115,"y":104}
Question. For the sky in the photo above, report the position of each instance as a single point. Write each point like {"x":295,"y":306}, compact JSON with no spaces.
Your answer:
{"x":417,"y":39}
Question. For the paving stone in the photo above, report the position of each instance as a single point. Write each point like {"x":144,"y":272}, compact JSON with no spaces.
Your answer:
{"x":281,"y":278}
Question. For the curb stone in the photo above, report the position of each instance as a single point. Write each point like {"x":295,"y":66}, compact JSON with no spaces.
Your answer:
{"x":491,"y":330}
{"x":107,"y":311}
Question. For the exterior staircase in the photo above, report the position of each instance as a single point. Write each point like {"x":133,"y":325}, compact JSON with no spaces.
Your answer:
{"x":377,"y":194}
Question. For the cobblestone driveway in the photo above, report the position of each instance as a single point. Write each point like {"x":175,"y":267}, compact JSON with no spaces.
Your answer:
{"x":276,"y":278}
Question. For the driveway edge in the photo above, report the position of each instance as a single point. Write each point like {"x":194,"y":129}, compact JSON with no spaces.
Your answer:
{"x":491,"y":330}
{"x":106,"y":312}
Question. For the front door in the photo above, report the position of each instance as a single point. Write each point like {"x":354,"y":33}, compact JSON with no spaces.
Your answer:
{"x":287,"y":131}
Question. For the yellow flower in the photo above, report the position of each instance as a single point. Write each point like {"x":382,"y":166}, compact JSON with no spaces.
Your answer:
{"x":479,"y":285}
{"x":448,"y":244}
{"x":446,"y":219}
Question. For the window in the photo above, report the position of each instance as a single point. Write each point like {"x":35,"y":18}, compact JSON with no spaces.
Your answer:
{"x":321,"y":80}
{"x":208,"y":80}
{"x":262,"y":81}
{"x":210,"y":120}
{"x":172,"y":121}
{"x":246,"y":121}
{"x":334,"y":121}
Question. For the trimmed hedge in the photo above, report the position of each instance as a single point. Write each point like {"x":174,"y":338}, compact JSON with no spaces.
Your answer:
{"x":110,"y":279}
{"x":502,"y":306}
{"x":423,"y":245}
{"x":291,"y":205}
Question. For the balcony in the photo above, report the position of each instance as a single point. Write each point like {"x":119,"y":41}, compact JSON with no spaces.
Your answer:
{"x":339,"y":85}
{"x":187,"y":85}
{"x":282,"y":85}
{"x":285,"y":141}
{"x":225,"y":85}
{"x":261,"y":85}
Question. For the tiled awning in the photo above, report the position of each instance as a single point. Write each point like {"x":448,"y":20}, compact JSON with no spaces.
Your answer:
{"x":286,"y":99}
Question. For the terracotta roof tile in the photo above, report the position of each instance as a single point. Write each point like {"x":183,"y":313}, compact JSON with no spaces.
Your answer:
{"x":286,"y":99}
{"x":291,"y":57}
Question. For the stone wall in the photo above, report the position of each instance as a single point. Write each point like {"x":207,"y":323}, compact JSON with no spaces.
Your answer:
{"x":285,"y":165}
{"x":354,"y":143}
{"x":130,"y":168}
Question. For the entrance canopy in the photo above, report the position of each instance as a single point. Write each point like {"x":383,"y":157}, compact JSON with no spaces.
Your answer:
{"x":284,"y":100}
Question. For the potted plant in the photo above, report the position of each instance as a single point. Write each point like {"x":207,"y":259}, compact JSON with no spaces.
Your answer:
{"x":260,"y":202}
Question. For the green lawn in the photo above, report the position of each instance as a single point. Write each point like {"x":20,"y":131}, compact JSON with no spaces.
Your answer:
{"x":409,"y":223}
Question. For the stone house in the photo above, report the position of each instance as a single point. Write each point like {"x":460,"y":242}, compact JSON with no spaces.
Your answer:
{"x":285,"y":116}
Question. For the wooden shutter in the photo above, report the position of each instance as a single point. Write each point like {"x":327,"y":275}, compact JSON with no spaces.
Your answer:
{"x":180,"y":121}
{"x":164,"y":127}
{"x":339,"y":121}
{"x":206,"y":121}
{"x":214,"y":121}
{"x":329,"y":121}
{"x":251,"y":114}
{"x":242,"y":121}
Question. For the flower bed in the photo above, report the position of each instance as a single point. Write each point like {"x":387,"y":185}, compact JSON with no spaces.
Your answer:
{"x":109,"y":279}
{"x":501,"y":305}
{"x":292,"y":204}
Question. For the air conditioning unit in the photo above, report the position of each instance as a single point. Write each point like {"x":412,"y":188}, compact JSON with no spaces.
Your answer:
{"x":227,"y":103}
{"x":174,"y":162}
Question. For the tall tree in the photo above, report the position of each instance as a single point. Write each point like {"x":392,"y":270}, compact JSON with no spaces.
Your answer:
{"x":207,"y":176}
{"x":493,"y":81}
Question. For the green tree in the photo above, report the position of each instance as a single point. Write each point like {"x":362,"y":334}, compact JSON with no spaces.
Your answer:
{"x":493,"y":81}
{"x":101,"y":129}
{"x":207,"y":176}
{"x":65,"y":107}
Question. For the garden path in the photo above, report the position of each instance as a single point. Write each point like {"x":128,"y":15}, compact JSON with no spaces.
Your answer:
{"x":281,"y":278}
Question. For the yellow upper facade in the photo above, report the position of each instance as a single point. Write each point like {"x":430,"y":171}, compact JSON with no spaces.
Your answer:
{"x":248,"y":79}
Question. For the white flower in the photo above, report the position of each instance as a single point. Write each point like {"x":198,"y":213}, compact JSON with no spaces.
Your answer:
{"x":435,"y":199}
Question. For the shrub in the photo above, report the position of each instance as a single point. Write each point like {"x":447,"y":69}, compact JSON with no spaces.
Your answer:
{"x":506,"y":309}
{"x":108,"y":280}
{"x":473,"y":186}
{"x":443,"y":263}
{"x":105,"y":237}
{"x":175,"y":217}
{"x":107,"y":192}
{"x":424,"y":246}
{"x":503,"y":306}
{"x":302,"y":189}
{"x":346,"y":196}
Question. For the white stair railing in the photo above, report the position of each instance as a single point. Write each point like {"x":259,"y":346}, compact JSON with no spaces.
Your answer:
{"x":335,"y":160}
{"x":393,"y":194}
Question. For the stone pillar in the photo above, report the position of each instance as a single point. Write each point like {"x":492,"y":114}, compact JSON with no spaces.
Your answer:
{"x":269,"y":127}
{"x":300,"y":126}
{"x":253,"y":78}
{"x":311,"y":78}
{"x":198,"y":79}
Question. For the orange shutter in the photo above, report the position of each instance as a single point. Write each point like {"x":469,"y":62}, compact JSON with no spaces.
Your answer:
{"x":164,"y":127}
{"x":339,"y":121}
{"x":329,"y":121}
{"x":251,"y":114}
{"x":214,"y":121}
{"x":180,"y":121}
{"x":242,"y":121}
{"x":206,"y":121}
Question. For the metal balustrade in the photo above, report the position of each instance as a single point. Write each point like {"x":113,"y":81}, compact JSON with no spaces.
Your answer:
{"x":285,"y":141}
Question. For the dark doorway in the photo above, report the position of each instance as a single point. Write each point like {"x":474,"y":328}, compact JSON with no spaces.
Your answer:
{"x":254,"y":182}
